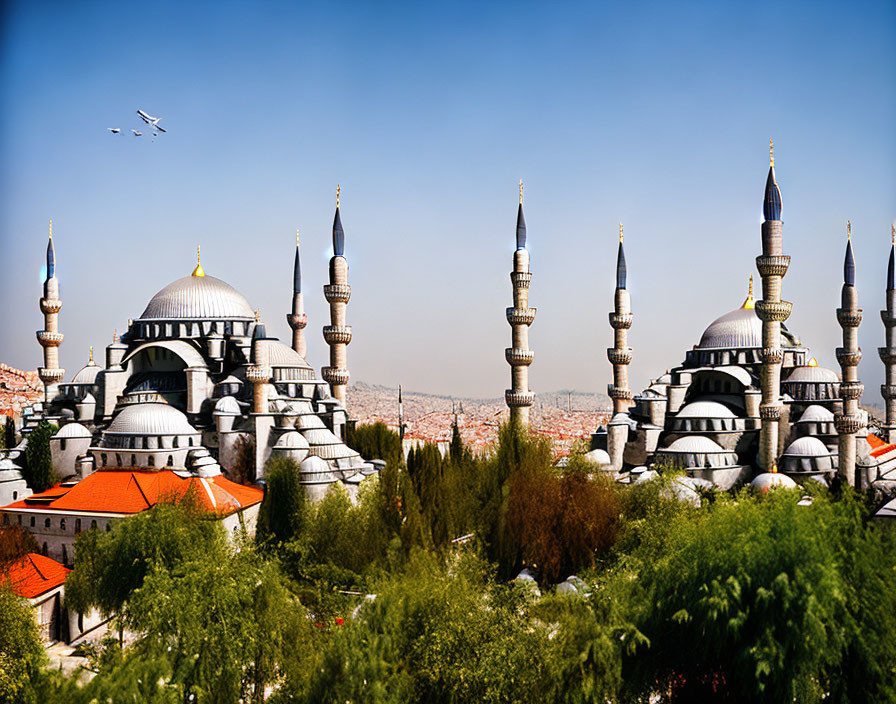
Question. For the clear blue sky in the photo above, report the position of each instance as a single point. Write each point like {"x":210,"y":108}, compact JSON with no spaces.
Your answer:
{"x":655,"y":114}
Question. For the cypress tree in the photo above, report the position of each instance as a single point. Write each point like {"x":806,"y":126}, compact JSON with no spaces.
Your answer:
{"x":39,"y":472}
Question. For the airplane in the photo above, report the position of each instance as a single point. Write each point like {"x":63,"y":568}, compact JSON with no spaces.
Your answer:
{"x":114,"y":130}
{"x":149,"y":119}
{"x":136,"y":133}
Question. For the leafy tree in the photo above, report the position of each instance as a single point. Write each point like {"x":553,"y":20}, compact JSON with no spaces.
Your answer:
{"x":39,"y":472}
{"x":21,"y":651}
{"x":15,"y":542}
{"x":111,"y":566}
{"x":283,"y":511}
{"x":243,"y":470}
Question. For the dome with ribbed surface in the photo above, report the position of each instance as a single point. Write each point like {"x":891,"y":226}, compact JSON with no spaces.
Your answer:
{"x":87,"y":374}
{"x":73,"y":430}
{"x":813,"y":375}
{"x":739,"y":328}
{"x":807,"y":447}
{"x":281,"y":355}
{"x":816,"y":414}
{"x":705,"y":409}
{"x":198,"y":297}
{"x":150,"y":419}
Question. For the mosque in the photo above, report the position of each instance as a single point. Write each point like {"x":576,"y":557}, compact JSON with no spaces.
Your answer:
{"x":748,"y":403}
{"x":195,"y":394}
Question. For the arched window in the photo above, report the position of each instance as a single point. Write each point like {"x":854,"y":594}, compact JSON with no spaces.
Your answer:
{"x":170,"y":460}
{"x":32,"y":521}
{"x":118,"y":459}
{"x":61,"y":524}
{"x":176,"y":441}
{"x":108,"y":527}
{"x":133,"y":460}
{"x":62,"y":444}
{"x":43,"y":550}
{"x":151,"y":461}
{"x":46,"y":523}
{"x":77,"y":526}
{"x":15,"y":495}
{"x":93,"y":524}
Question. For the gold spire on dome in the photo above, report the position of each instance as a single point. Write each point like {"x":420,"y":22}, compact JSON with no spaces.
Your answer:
{"x":774,"y":469}
{"x":51,"y":228}
{"x":621,"y":235}
{"x":297,"y":237}
{"x":813,"y":362}
{"x":750,"y":302}
{"x":257,"y":315}
{"x":198,"y":271}
{"x":521,"y":191}
{"x":893,"y":234}
{"x":90,"y":361}
{"x":848,"y":230}
{"x":337,"y":196}
{"x":771,"y":152}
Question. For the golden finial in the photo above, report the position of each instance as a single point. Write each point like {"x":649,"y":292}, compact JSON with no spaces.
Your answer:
{"x":774,"y":467}
{"x":750,"y":303}
{"x":893,"y":234}
{"x":621,"y":236}
{"x":51,"y":229}
{"x":297,"y":237}
{"x":198,"y":271}
{"x":813,"y":362}
{"x":848,"y":230}
{"x":521,"y":191}
{"x":90,"y":361}
{"x":257,"y":316}
{"x":337,"y":196}
{"x":114,"y":336}
{"x":771,"y":152}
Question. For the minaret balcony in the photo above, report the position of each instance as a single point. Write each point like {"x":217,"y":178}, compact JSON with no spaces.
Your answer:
{"x":888,"y":391}
{"x":258,"y":374}
{"x":520,"y":316}
{"x":847,"y":424}
{"x":50,"y":376}
{"x":337,"y":376}
{"x":773,"y":311}
{"x":849,"y":358}
{"x":521,"y":279}
{"x":849,"y":318}
{"x":887,"y":355}
{"x":297,"y":322}
{"x":337,"y":293}
{"x":619,"y":356}
{"x":338,"y":334}
{"x":770,"y":411}
{"x":50,"y":305}
{"x":49,"y":339}
{"x":518,"y":357}
{"x":621,"y":321}
{"x":888,"y":318}
{"x":771,"y":355}
{"x":519,"y":399}
{"x":619,"y":393}
{"x":773,"y":265}
{"x":851,"y":390}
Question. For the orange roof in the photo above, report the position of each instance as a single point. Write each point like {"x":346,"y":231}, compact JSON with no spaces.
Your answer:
{"x":33,"y":575}
{"x":131,"y":491}
{"x":878,"y":446}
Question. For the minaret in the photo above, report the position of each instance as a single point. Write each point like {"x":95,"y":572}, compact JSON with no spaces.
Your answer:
{"x":772,"y":311}
{"x":400,"y":416}
{"x":50,"y":338}
{"x":620,"y":355}
{"x":849,"y":315}
{"x":259,"y":372}
{"x":297,"y":319}
{"x":888,"y":353}
{"x":520,"y":317}
{"x":337,"y":333}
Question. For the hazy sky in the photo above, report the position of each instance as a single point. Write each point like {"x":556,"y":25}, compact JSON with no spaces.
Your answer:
{"x":655,"y":114}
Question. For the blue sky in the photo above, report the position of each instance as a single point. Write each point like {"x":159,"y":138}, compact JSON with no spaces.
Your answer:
{"x":655,"y":114}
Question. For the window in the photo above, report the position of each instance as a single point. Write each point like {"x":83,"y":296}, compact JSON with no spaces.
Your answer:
{"x":80,"y":622}
{"x":15,"y":495}
{"x":118,"y":459}
{"x":77,"y":526}
{"x":64,"y":555}
{"x":43,"y":550}
{"x":170,"y":460}
{"x":46,"y":523}
{"x":93,"y":524}
{"x":32,"y":521}
{"x":133,"y":460}
{"x":176,"y":441}
{"x":108,"y":527}
{"x":103,"y":457}
{"x":20,"y":519}
{"x":61,"y":524}
{"x":5,"y":519}
{"x":151,"y":461}
{"x":62,"y":444}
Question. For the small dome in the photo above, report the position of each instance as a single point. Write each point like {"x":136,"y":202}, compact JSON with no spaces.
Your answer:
{"x":599,"y":457}
{"x":816,"y":414}
{"x":768,"y":480}
{"x":227,"y":406}
{"x":150,"y":419}
{"x":292,"y":439}
{"x":693,"y":443}
{"x":73,"y":430}
{"x":87,"y":374}
{"x":198,"y":297}
{"x":281,"y":355}
{"x":310,"y":421}
{"x":807,"y":447}
{"x":705,"y":409}
{"x":813,"y":375}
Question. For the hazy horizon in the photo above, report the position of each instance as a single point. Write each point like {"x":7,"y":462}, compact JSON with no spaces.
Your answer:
{"x":653,"y":114}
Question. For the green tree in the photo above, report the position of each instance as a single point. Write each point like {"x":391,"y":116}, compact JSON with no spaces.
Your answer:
{"x":39,"y":472}
{"x":283,"y":511}
{"x":111,"y":566}
{"x":21,"y":651}
{"x":15,"y":542}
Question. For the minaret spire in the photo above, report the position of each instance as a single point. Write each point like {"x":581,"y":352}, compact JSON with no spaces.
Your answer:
{"x":198,"y":271}
{"x":849,"y":421}
{"x":888,"y":353}
{"x":50,"y":338}
{"x":518,"y":398}
{"x":297,"y":319}
{"x":337,"y":334}
{"x":772,"y":311}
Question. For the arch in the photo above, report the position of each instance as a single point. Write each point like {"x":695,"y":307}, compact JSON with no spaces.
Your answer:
{"x":151,"y":461}
{"x":170,"y":462}
{"x":93,"y":524}
{"x":62,"y":524}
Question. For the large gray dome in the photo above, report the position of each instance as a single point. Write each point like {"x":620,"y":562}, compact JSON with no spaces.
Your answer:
{"x":150,"y":419}
{"x":739,"y":328}
{"x":198,"y":297}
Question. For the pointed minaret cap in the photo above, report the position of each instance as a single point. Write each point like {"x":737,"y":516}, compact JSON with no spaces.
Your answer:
{"x":750,"y":302}
{"x":51,"y":255}
{"x":297,"y":269}
{"x":771,"y":206}
{"x":621,"y":268}
{"x":849,"y":262}
{"x":891,"y":266}
{"x":338,"y":232}
{"x":520,"y":223}
{"x":198,"y":271}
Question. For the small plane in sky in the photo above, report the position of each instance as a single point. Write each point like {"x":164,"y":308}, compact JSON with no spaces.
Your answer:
{"x":150,"y":120}
{"x":114,"y":130}
{"x":136,"y":133}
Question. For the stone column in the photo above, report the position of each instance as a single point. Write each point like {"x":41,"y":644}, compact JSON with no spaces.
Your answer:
{"x":518,"y":398}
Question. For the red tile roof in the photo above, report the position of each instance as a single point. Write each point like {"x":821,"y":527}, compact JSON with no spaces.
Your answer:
{"x":878,"y":446}
{"x":130,"y":491}
{"x":33,"y":575}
